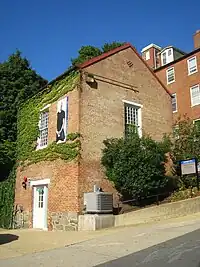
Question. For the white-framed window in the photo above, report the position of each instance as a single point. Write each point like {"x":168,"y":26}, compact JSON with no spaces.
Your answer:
{"x":169,"y":52}
{"x":133,"y":120}
{"x":164,"y":58}
{"x":167,"y":56}
{"x":195,"y":95}
{"x":43,"y":129}
{"x":170,"y":73}
{"x":147,"y":55}
{"x":174,"y":103}
{"x":192,"y":65}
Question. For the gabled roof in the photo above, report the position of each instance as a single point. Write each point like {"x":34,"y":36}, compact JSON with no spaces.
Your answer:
{"x":114,"y":51}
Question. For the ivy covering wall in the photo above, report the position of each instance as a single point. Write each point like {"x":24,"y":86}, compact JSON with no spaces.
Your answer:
{"x":28,"y":130}
{"x":7,"y":194}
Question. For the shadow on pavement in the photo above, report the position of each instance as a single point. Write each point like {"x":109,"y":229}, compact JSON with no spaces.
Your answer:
{"x":182,"y":251}
{"x":7,"y":238}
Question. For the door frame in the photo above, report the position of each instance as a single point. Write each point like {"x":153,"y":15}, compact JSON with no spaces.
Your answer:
{"x":34,"y":184}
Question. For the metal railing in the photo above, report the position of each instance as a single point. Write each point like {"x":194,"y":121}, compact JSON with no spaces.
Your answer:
{"x":139,"y":201}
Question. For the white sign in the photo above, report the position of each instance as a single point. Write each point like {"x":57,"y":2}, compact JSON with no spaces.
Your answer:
{"x":188,"y":166}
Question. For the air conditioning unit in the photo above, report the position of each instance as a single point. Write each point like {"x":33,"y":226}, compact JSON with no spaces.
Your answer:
{"x":98,"y":202}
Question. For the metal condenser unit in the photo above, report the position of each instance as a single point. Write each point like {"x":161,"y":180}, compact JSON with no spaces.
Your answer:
{"x":98,"y":202}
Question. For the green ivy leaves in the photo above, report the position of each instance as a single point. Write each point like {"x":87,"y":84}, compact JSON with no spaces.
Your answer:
{"x":28,"y":131}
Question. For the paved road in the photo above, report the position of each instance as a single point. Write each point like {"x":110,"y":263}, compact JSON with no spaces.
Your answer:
{"x":183,"y":251}
{"x":171,"y":243}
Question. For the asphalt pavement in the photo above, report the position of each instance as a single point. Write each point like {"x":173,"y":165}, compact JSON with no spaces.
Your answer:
{"x":183,"y":251}
{"x":174,"y":242}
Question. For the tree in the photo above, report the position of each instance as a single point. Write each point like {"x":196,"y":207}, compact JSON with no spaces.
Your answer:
{"x":88,"y":52}
{"x":186,"y":137}
{"x":136,"y":165}
{"x":7,"y":158}
{"x":17,"y":83}
{"x":186,"y":145}
{"x":107,"y":47}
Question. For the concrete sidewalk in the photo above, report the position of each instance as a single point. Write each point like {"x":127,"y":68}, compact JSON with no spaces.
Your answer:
{"x":15,"y":243}
{"x":90,"y":248}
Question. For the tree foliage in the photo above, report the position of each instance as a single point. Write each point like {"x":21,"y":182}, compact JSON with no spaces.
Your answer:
{"x":136,"y":165}
{"x":185,"y":145}
{"x":109,"y":46}
{"x":87,"y":52}
{"x":18,"y":81}
{"x":7,"y":158}
{"x":186,"y":139}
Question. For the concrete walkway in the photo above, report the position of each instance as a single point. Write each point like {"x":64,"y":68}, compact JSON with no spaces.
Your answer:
{"x":74,"y":249}
{"x":15,"y":243}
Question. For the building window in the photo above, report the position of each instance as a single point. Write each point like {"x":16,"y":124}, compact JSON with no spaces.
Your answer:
{"x":192,"y":65}
{"x":132,"y":119}
{"x":195,"y":95}
{"x":167,"y":56}
{"x":43,"y":129}
{"x":174,"y":103}
{"x":170,"y":75}
{"x":147,"y":55}
{"x":164,"y":58}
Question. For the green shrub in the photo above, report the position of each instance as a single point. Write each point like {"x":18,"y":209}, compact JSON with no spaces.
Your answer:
{"x":136,"y":165}
{"x":184,"y":194}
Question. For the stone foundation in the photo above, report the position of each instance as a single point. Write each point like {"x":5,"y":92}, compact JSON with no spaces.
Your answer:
{"x":63,"y":221}
{"x":21,"y":219}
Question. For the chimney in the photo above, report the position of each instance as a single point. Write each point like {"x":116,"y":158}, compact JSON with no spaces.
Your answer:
{"x":150,"y":55}
{"x":196,"y":37}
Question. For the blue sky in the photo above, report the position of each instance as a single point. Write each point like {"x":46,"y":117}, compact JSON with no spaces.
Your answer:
{"x":49,"y":33}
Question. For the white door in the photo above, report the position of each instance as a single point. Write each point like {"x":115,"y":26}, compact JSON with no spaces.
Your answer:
{"x":40,"y":207}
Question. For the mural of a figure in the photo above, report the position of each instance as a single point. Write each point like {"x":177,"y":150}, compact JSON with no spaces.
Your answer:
{"x":61,"y":120}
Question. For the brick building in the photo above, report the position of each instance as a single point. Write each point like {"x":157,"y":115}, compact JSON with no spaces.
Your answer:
{"x":112,"y":91}
{"x":180,"y":73}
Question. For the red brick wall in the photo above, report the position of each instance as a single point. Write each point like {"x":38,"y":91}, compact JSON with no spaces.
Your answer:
{"x":181,"y":87}
{"x":102,"y":111}
{"x":151,"y":60}
{"x":63,"y":187}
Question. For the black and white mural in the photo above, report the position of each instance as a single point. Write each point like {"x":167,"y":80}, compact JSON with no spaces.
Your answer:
{"x":62,"y":120}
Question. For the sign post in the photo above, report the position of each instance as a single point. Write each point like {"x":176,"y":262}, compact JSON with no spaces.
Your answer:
{"x":190,"y":166}
{"x":197,"y":173}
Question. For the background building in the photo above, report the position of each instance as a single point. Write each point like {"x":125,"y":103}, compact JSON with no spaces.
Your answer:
{"x":180,"y":73}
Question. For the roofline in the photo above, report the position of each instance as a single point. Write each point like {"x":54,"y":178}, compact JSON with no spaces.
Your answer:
{"x":62,"y":74}
{"x":58,"y":77}
{"x":149,"y":46}
{"x":52,"y":81}
{"x":103,"y":56}
{"x":116,"y":50}
{"x":179,"y":59}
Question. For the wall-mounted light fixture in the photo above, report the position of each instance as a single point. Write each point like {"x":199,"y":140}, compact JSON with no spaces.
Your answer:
{"x":24,"y":183}
{"x":89,"y":78}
